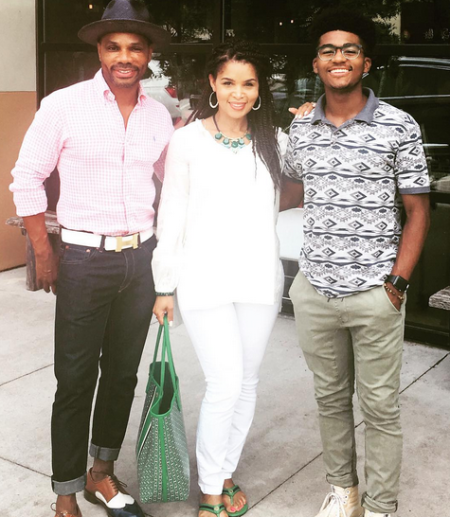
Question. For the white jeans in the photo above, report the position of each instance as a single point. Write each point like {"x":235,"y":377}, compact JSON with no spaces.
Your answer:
{"x":230,"y":341}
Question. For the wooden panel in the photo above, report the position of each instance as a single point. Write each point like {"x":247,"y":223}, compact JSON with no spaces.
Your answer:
{"x":16,"y":113}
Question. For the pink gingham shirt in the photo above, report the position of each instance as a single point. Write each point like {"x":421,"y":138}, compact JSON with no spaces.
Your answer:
{"x":106,"y":170}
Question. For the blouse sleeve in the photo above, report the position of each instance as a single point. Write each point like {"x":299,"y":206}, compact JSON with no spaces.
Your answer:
{"x":172,"y":215}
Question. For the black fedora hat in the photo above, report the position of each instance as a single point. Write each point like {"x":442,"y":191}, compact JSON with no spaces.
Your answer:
{"x":129,"y":16}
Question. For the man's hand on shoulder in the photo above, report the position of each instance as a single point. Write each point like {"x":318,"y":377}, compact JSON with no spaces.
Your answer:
{"x":303,"y":110}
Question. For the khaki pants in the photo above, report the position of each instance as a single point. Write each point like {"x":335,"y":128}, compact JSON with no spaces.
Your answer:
{"x":355,"y":338}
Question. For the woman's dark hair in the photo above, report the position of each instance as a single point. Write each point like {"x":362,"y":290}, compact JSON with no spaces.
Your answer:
{"x":261,"y":121}
{"x":339,"y":19}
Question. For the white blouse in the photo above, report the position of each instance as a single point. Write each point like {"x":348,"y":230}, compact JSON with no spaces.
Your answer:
{"x":217,"y":240}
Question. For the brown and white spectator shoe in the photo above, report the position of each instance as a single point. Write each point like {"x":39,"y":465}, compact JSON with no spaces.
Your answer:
{"x":111,"y":494}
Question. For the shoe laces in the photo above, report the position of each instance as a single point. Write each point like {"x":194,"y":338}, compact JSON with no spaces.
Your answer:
{"x":117,"y":484}
{"x":335,"y":505}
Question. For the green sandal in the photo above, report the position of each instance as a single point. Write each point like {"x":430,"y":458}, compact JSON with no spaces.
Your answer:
{"x":231,"y":492}
{"x":216,"y":509}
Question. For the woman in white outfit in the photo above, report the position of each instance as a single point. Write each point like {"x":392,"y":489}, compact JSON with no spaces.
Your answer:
{"x":219,"y":249}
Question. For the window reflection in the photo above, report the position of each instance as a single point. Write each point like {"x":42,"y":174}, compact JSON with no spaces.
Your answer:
{"x":286,"y":21}
{"x":421,"y":87}
{"x":186,"y":74}
{"x":188,"y":21}
{"x":63,"y":19}
{"x":64,"y":68}
{"x":293,"y":83}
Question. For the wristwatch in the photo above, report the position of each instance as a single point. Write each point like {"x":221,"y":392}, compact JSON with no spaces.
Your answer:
{"x":398,"y":282}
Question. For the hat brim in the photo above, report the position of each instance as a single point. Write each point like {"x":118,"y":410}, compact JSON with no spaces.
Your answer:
{"x":93,"y":32}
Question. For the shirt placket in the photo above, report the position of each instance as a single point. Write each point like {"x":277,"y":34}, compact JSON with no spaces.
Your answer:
{"x":120,"y":225}
{"x":127,"y":179}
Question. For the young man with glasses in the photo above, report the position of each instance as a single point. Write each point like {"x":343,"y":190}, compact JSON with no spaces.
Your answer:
{"x":356,"y":162}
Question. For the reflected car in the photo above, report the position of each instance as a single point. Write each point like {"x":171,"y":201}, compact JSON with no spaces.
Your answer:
{"x":160,"y":88}
{"x":421,"y":87}
{"x":305,"y":89}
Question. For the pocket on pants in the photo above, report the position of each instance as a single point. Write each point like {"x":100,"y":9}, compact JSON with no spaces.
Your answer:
{"x":386,"y":297}
{"x":149,"y":246}
{"x":74,"y":254}
{"x":295,"y":289}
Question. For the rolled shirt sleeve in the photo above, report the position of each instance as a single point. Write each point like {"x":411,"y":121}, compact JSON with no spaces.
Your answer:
{"x":38,"y":158}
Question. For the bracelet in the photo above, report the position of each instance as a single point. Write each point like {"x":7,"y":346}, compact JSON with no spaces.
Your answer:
{"x":164,"y":294}
{"x":401,"y":297}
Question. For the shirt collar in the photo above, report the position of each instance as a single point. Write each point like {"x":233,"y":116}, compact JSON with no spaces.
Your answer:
{"x":102,"y":87}
{"x":365,"y":115}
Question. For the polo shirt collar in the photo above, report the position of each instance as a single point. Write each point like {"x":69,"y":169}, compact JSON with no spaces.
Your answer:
{"x":365,"y":115}
{"x":102,"y":87}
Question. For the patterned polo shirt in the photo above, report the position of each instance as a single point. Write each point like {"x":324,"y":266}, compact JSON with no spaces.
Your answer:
{"x":353,"y":177}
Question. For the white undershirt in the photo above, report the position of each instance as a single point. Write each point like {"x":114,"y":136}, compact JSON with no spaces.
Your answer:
{"x":216,"y":224}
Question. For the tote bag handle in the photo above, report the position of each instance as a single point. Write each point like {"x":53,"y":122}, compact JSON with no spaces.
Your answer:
{"x":166,"y":349}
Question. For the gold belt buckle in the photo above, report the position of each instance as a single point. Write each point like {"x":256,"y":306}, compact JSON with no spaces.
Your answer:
{"x":122,"y":242}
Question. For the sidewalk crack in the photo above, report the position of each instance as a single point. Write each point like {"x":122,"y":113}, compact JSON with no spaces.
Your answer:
{"x":24,"y":467}
{"x":426,"y":371}
{"x":26,"y":375}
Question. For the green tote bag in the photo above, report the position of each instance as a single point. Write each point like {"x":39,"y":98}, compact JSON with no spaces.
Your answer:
{"x":161,"y":450}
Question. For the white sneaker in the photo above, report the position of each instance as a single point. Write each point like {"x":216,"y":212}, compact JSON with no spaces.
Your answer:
{"x":368,"y":513}
{"x":341,"y":502}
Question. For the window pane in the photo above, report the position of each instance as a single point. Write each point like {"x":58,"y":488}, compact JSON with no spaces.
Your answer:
{"x":188,"y":21}
{"x":421,"y":87}
{"x":293,"y":84}
{"x":425,"y":21}
{"x":64,"y":68}
{"x":287,"y":21}
{"x":63,"y":19}
{"x":179,"y":76}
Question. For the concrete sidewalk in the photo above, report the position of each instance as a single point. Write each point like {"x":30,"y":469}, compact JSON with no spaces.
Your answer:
{"x":281,"y":468}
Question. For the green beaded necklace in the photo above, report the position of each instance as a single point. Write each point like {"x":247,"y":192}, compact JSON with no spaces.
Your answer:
{"x":231,"y":143}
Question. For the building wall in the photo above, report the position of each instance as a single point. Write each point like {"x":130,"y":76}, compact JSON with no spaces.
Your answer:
{"x":17,"y":108}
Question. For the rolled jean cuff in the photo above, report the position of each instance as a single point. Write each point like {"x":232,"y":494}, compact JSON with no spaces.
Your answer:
{"x":103,"y":453}
{"x":344,"y":481}
{"x":376,"y":506}
{"x":69,"y":487}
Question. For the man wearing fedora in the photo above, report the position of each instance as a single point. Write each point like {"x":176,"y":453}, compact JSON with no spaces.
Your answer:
{"x":107,"y":140}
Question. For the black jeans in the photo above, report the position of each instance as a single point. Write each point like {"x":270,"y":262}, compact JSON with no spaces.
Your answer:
{"x":103,"y":311}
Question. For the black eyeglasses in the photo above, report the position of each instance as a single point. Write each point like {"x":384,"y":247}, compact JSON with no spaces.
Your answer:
{"x":349,"y":51}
